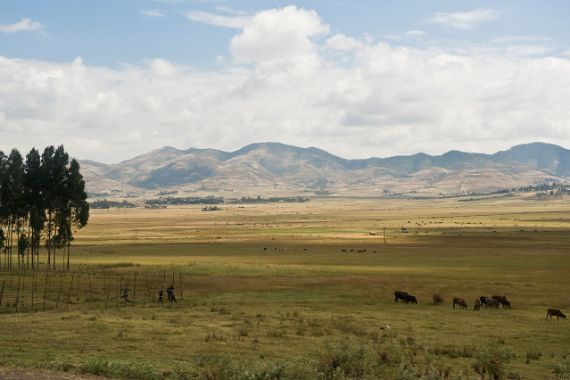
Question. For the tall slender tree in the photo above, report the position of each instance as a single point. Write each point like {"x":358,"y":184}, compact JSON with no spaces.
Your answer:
{"x":43,"y":197}
{"x":13,"y":200}
{"x":35,"y":189}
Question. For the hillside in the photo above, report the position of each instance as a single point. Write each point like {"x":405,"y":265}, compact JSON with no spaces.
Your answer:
{"x":274,"y":168}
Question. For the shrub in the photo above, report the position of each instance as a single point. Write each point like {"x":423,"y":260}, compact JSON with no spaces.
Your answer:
{"x":490,"y":362}
{"x":562,"y":370}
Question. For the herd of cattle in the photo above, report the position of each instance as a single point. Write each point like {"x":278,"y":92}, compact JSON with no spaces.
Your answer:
{"x":496,"y":302}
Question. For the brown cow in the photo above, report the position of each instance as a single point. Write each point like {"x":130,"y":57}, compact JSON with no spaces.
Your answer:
{"x":555,"y":313}
{"x":460,"y":302}
{"x":477,"y":305}
{"x":437,"y":299}
{"x":502,"y":300}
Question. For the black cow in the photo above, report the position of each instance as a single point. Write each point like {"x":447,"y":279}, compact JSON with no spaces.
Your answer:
{"x":400,"y":296}
{"x":502,"y":300}
{"x":411,"y":299}
{"x":483,"y":301}
{"x":555,"y":313}
{"x":491,"y":302}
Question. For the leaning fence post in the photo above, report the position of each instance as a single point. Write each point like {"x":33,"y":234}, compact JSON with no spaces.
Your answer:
{"x":69,"y":292}
{"x":18,"y":294}
{"x":46,"y":287}
{"x":33,"y":286}
{"x":146,"y":284}
{"x":2,"y":292}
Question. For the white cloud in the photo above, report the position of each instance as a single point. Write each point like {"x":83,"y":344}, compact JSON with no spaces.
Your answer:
{"x":384,"y":100}
{"x":464,"y":20}
{"x":234,"y":21}
{"x":280,"y":42}
{"x":341,"y":42}
{"x":152,"y":12}
{"x":24,"y":25}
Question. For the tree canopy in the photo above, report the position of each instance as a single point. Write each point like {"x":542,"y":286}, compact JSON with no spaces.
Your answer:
{"x":42,"y":199}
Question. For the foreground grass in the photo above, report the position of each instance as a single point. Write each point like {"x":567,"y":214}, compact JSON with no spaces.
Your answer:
{"x":297,"y":307}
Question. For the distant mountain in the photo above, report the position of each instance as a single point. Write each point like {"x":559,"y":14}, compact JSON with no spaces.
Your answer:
{"x":275,"y":168}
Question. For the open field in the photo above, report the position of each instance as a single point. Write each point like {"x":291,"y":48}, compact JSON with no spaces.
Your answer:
{"x":301,"y":291}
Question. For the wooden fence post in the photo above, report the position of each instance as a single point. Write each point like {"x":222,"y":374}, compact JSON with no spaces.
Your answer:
{"x":18,"y":294}
{"x":33,"y":286}
{"x":2,"y":292}
{"x":46,"y":287}
{"x":147,"y":288}
{"x":69,"y":292}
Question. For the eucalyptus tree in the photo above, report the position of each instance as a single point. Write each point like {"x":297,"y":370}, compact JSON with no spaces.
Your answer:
{"x":35,"y":203}
{"x":3,"y":210}
{"x":54,"y":169}
{"x":75,"y":207}
{"x":12,"y":201}
{"x":41,"y":198}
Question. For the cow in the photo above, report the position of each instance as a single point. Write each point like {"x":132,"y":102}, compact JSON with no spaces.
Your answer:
{"x":491,"y":302}
{"x":555,"y":313}
{"x":502,"y":300}
{"x":460,"y":302}
{"x":437,"y":299}
{"x":400,"y":296}
{"x":483,"y":300}
{"x":411,"y":299}
{"x":477,"y":305}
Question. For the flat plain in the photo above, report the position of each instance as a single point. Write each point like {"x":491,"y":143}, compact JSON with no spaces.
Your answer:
{"x":302,"y":291}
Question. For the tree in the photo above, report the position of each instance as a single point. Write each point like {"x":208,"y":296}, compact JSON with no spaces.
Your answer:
{"x":34,"y":195}
{"x":12,"y":200}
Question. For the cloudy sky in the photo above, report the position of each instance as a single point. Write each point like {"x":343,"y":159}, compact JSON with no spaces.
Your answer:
{"x":111,"y":79}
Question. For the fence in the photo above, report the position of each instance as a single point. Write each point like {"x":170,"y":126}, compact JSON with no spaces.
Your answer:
{"x":26,"y":291}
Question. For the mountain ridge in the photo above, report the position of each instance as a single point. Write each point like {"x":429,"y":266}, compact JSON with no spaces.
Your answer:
{"x":272,"y":167}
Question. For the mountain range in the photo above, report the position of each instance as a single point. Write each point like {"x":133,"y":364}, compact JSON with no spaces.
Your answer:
{"x":279,"y":169}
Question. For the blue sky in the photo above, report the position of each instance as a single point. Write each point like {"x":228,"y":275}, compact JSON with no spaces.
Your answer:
{"x":114,"y":78}
{"x":109,"y":32}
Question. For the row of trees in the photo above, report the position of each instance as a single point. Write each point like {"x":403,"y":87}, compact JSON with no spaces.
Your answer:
{"x":42,"y":199}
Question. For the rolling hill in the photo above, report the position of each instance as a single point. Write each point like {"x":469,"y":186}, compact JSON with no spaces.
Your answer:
{"x":275,"y":168}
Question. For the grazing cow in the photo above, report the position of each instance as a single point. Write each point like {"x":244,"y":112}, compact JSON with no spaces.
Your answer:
{"x":477,"y":305}
{"x":490,"y":302}
{"x":437,"y":299}
{"x":483,"y":301}
{"x":460,"y":302}
{"x":400,"y":296}
{"x":411,"y":299}
{"x":502,"y":300}
{"x":555,"y":313}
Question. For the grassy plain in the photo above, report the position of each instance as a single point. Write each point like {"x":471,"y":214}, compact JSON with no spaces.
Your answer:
{"x":293,"y":290}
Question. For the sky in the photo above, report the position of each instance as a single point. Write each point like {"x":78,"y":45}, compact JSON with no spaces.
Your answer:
{"x":111,"y":79}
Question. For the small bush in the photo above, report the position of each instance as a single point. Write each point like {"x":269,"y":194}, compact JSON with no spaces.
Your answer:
{"x":533,"y":355}
{"x":129,"y":370}
{"x":490,"y":362}
{"x":562,"y":370}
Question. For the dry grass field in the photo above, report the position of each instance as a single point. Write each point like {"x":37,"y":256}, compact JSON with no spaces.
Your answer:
{"x":303,"y":291}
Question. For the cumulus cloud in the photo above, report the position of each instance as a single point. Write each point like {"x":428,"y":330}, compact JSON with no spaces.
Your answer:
{"x":24,"y":25}
{"x":343,"y":43}
{"x":233,"y":21}
{"x":464,"y":20}
{"x":386,"y":100}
